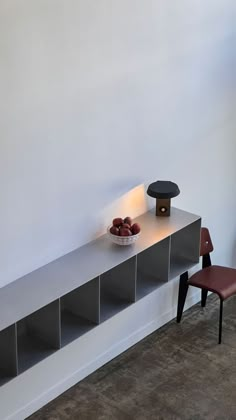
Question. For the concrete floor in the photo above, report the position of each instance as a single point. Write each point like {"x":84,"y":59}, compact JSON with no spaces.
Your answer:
{"x":177,"y":373}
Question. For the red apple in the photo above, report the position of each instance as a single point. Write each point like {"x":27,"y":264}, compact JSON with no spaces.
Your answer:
{"x":128,"y":220}
{"x":126,"y":225}
{"x":117,"y":221}
{"x":125,"y":232}
{"x":115,"y":230}
{"x":135,"y":228}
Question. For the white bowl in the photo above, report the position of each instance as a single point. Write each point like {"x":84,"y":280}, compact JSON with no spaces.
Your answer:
{"x":122,"y":240}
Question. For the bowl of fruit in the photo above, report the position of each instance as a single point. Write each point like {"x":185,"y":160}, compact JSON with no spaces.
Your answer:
{"x":123,"y":231}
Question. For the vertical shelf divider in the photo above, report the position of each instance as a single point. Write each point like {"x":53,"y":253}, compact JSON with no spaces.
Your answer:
{"x":45,"y":323}
{"x":8,"y":352}
{"x":38,"y":335}
{"x":152,"y":268}
{"x":80,"y":311}
{"x":84,"y":301}
{"x":117,"y":288}
{"x":185,"y":245}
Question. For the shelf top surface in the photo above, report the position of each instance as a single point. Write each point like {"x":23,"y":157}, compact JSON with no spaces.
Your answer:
{"x":46,"y":284}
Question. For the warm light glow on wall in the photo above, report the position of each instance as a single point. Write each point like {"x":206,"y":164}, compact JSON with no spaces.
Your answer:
{"x":133,"y":203}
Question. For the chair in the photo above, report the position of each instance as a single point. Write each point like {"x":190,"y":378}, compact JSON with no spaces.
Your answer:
{"x":213,"y":278}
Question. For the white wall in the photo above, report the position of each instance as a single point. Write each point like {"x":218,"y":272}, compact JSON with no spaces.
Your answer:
{"x":100,"y":96}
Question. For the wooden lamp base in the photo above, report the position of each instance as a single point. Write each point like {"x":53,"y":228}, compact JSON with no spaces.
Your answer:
{"x":163,"y":207}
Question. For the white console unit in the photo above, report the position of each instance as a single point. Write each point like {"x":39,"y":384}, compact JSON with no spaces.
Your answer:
{"x":64,"y":320}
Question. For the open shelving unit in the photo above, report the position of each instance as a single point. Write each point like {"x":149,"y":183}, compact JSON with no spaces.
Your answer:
{"x":59,"y":303}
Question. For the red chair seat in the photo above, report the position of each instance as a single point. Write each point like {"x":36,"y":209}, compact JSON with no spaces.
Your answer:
{"x":217,"y":279}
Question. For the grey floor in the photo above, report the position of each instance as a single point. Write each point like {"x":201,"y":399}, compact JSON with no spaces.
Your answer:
{"x":177,"y":373}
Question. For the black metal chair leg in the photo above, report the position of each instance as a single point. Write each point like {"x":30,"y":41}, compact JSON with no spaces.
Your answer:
{"x":204,"y":297}
{"x":183,"y":289}
{"x":206,"y":261}
{"x":220,"y":320}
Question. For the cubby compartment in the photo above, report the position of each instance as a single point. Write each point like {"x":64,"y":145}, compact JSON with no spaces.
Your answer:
{"x":152,"y":268}
{"x":184,"y":249}
{"x":117,"y":288}
{"x":79,"y":311}
{"x":38,"y":336}
{"x":8,"y":354}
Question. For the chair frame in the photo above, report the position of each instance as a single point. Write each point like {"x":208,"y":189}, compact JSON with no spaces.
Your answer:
{"x":183,"y":290}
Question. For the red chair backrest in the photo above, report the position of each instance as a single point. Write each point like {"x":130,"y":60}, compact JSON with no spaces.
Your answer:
{"x":206,"y":244}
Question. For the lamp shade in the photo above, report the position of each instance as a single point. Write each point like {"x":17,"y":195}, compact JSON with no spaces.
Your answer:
{"x":163,"y":189}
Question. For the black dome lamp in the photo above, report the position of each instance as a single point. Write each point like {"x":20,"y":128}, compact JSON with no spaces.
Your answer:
{"x":163,"y":191}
